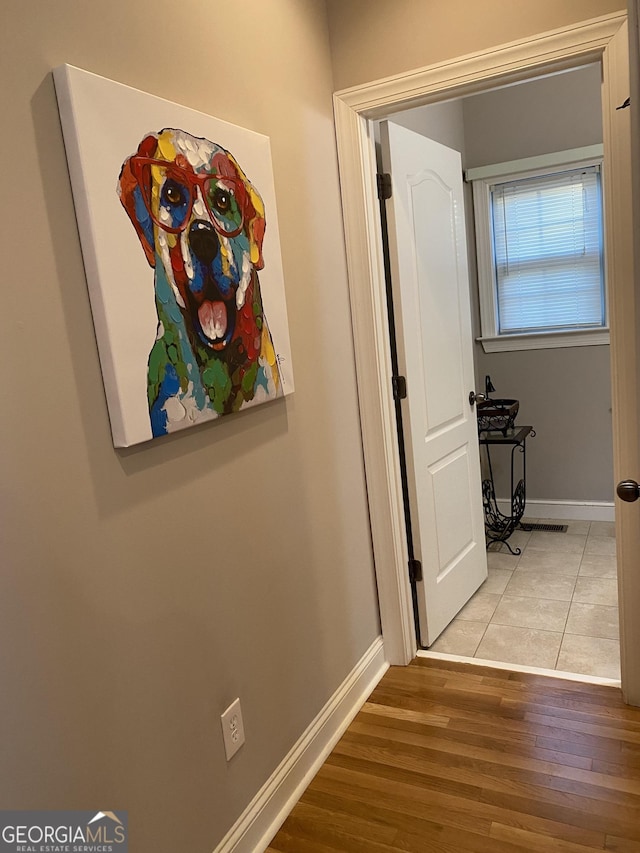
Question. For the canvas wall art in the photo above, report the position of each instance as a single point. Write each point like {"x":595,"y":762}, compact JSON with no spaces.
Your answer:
{"x":177,"y":218}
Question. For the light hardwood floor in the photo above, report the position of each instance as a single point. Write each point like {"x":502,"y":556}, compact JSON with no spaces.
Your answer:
{"x":456,"y":758}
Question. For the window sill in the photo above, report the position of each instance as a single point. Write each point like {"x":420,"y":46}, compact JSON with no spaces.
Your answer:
{"x":545,"y":340}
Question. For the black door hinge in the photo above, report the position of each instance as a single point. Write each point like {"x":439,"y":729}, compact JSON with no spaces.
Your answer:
{"x":399,"y":385}
{"x":415,"y":570}
{"x":384,"y":185}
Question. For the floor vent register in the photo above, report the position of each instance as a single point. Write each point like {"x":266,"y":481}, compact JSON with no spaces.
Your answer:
{"x":549,"y":528}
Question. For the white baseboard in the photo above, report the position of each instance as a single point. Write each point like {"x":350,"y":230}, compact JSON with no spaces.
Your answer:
{"x":268,"y":810}
{"x":570,"y":510}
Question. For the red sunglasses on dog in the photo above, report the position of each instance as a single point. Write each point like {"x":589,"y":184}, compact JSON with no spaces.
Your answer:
{"x":169,"y":193}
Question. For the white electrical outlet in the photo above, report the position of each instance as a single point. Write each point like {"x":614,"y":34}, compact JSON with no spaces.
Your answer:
{"x":232,"y":729}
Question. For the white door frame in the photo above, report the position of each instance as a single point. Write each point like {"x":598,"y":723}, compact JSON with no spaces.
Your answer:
{"x":355,"y":111}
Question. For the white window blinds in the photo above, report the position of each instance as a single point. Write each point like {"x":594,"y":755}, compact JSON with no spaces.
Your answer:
{"x":547,"y":240}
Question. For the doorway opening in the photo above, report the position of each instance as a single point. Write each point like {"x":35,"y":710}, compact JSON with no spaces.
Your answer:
{"x":554,"y":605}
{"x":603,"y":40}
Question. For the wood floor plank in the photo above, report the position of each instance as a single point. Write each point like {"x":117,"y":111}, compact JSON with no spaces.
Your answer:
{"x":566,"y":805}
{"x":554,"y":805}
{"x":629,"y":770}
{"x":446,"y":757}
{"x":284,"y":842}
{"x":409,"y":799}
{"x":481,"y":735}
{"x":407,"y":815}
{"x":622,"y":845}
{"x":575,"y":710}
{"x":455,"y":841}
{"x":315,"y":821}
{"x":487,"y":736}
{"x":610,"y":751}
{"x":402,"y":716}
{"x":564,"y":811}
{"x":517,"y":729}
{"x":573,"y":724}
{"x":415,"y":751}
{"x":535,"y":843}
{"x":346,"y":833}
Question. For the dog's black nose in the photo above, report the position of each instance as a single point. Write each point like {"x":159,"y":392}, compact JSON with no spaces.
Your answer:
{"x":203,"y":240}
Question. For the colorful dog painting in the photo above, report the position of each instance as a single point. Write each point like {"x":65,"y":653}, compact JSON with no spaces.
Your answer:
{"x":201,"y":224}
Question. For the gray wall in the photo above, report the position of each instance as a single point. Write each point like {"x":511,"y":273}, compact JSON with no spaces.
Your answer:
{"x":565,"y":393}
{"x":371,"y":39}
{"x":142,"y":591}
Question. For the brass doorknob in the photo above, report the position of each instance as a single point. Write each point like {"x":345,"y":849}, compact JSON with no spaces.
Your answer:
{"x":628,"y":490}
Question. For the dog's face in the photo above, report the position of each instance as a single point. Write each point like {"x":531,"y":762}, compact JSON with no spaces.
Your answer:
{"x":196,"y":213}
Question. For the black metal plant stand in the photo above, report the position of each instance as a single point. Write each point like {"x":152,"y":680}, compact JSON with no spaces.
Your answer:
{"x":498,"y":526}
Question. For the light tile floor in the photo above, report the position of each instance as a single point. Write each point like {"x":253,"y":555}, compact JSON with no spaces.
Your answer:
{"x":555,"y":606}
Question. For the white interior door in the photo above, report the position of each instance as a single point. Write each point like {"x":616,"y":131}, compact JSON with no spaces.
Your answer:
{"x":430,"y":283}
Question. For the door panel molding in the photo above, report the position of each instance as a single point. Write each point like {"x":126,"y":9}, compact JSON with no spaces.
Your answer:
{"x":355,"y":109}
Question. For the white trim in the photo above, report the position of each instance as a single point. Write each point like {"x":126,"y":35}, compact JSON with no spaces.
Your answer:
{"x":542,"y":163}
{"x":545,"y":340}
{"x":569,"y":510}
{"x":516,"y":667}
{"x":355,"y":109}
{"x":557,"y":50}
{"x":268,"y":810}
{"x":485,"y":260}
{"x":365,"y":264}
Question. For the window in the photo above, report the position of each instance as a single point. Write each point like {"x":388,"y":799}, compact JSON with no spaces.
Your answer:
{"x":540,"y":252}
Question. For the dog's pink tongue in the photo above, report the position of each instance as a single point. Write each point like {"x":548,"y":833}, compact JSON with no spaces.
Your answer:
{"x":213,"y":319}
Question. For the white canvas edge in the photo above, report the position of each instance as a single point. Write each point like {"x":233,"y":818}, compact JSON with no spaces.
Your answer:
{"x":87,"y":245}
